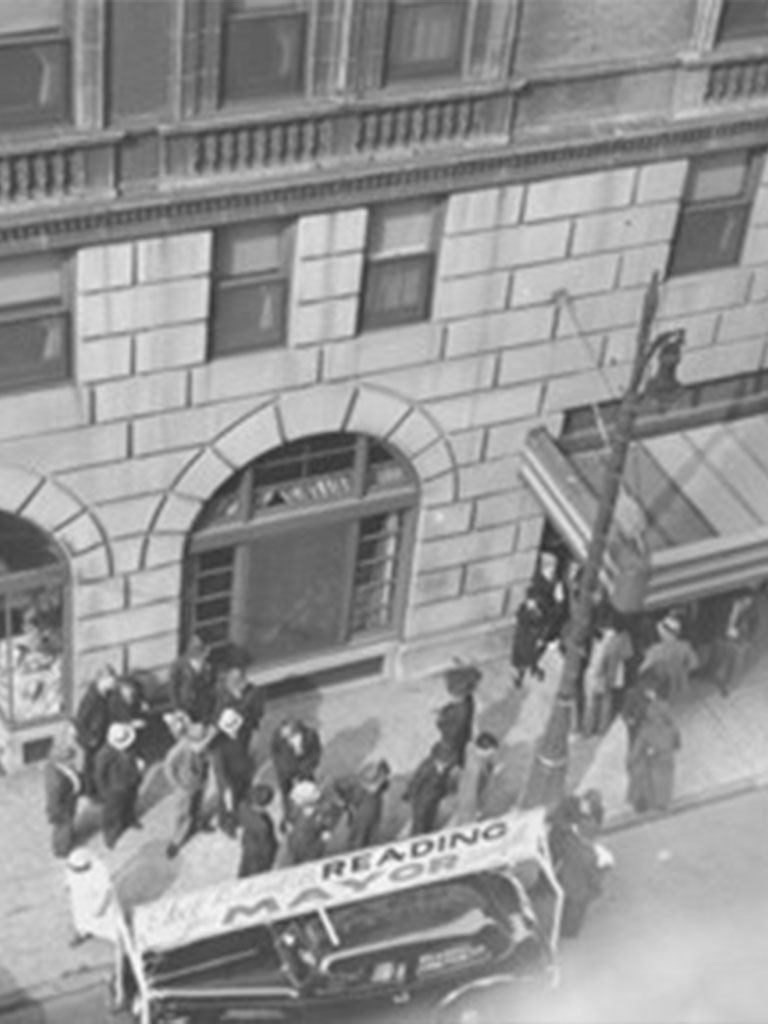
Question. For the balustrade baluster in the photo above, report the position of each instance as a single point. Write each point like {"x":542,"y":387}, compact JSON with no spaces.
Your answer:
{"x":227,"y":143}
{"x":259,"y":146}
{"x":6,"y":181}
{"x":22,"y":177}
{"x":58,"y":173}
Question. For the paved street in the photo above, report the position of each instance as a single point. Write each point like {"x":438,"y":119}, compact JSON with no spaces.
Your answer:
{"x":679,"y":935}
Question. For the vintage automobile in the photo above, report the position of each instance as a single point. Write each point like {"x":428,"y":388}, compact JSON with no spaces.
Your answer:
{"x":400,"y":932}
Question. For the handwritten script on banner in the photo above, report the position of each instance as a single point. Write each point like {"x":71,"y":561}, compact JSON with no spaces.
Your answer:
{"x":229,"y":906}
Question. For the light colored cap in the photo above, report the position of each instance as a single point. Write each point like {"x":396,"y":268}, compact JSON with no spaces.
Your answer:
{"x":230,"y":722}
{"x":79,"y":860}
{"x":305,"y":793}
{"x":121,"y":735}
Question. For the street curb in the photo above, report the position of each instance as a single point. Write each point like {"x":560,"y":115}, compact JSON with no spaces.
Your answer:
{"x":627,"y":820}
{"x":80,"y":980}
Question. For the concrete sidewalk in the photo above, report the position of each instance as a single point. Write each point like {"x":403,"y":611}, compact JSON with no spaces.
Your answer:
{"x":724,"y":743}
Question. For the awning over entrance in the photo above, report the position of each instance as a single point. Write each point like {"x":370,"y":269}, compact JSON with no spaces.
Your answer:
{"x":694,"y":506}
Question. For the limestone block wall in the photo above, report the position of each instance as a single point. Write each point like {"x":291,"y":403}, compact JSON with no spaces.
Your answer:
{"x":149,"y":428}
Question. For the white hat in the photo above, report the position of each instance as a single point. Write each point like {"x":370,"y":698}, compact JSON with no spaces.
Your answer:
{"x":230,"y":721}
{"x":671,"y":624}
{"x":305,"y":793}
{"x":121,"y":735}
{"x":79,"y":860}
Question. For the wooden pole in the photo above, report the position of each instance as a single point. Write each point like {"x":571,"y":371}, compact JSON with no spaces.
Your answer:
{"x":546,"y":780}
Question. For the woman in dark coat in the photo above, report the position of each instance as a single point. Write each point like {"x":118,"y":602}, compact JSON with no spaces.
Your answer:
{"x":92,"y":720}
{"x":455,"y":720}
{"x":526,"y":643}
{"x":63,"y":785}
{"x":258,"y":843}
{"x":651,"y":757}
{"x":571,"y":842}
{"x":117,"y":772}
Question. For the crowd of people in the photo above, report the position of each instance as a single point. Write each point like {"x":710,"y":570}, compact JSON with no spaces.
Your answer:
{"x":639,"y":667}
{"x":216,"y":745}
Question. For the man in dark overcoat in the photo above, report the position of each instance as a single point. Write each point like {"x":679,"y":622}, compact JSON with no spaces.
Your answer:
{"x":118,"y":773}
{"x":455,"y":720}
{"x":362,"y":797}
{"x":258,"y":842}
{"x":428,"y":786}
{"x":193,"y":682}
{"x":92,"y":720}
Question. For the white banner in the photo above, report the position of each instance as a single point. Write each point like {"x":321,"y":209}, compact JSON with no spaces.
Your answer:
{"x":230,"y":906}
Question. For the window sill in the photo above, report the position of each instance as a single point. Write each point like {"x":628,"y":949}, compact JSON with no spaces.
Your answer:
{"x":336,"y":658}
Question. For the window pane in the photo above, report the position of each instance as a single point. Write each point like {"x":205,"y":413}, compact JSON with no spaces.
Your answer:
{"x":249,"y":316}
{"x":709,"y":238}
{"x":139,"y":57}
{"x":33,"y":83}
{"x":721,"y":178}
{"x":32,"y":351}
{"x":31,"y":653}
{"x":29,"y":15}
{"x":263,"y":56}
{"x":401,"y":228}
{"x":32,"y":279}
{"x":294,"y":599}
{"x":397,"y":291}
{"x":426,"y":39}
{"x":251,"y":249}
{"x":375,"y":572}
{"x":742,"y":19}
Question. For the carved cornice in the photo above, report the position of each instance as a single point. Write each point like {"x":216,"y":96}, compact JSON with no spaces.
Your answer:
{"x":80,"y":221}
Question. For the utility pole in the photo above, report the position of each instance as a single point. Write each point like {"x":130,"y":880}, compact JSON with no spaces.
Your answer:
{"x":546,"y":780}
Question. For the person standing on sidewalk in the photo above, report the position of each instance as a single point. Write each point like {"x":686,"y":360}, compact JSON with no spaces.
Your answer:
{"x":455,"y":719}
{"x":651,"y":758}
{"x":193,"y":681}
{"x":672,"y":658}
{"x":92,"y":899}
{"x":92,"y":720}
{"x":258,"y":843}
{"x":733,"y":648}
{"x":475,"y":777}
{"x":186,"y":768}
{"x":527,"y":639}
{"x":296,"y":752}
{"x":232,"y":766}
{"x":604,"y":677}
{"x":63,"y":786}
{"x":118,"y":775}
{"x":236,"y":691}
{"x":427,"y":788}
{"x":362,"y":798}
{"x":308,"y":833}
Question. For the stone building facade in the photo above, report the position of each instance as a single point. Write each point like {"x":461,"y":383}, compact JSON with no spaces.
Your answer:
{"x":415,"y":239}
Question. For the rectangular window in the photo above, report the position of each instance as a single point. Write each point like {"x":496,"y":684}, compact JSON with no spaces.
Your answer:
{"x":138,"y":62}
{"x":742,"y":19}
{"x":399,"y":263}
{"x":250,"y":288}
{"x":34,"y":64}
{"x":715,"y":211}
{"x":425,"y":39}
{"x":263,"y":52}
{"x":34,"y":344}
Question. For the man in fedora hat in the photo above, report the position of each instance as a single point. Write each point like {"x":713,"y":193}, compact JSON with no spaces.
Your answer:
{"x":672,"y":658}
{"x":118,"y":774}
{"x":258,"y":843}
{"x":186,"y":768}
{"x":427,"y":788}
{"x":362,"y":799}
{"x":232,"y":766}
{"x":192,"y":681}
{"x":456,"y":718}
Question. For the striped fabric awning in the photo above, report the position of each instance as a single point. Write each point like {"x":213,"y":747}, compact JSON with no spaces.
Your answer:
{"x":702,"y":496}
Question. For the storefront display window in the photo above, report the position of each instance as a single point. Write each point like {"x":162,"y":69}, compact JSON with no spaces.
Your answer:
{"x":303,"y":551}
{"x":32,"y":618}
